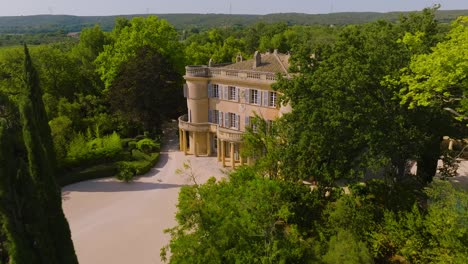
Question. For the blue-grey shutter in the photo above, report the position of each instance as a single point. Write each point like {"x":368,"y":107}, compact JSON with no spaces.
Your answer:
{"x":226,"y":120}
{"x":220,"y":119}
{"x":210,"y":90}
{"x":225,"y":92}
{"x":237,"y":122}
{"x":185,"y":91}
{"x":237,"y":94}
{"x":247,"y":122}
{"x":210,"y":116}
{"x":247,"y":95}
{"x":265,"y":98}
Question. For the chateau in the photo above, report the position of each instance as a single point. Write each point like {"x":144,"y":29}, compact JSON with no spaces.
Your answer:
{"x":221,"y":100}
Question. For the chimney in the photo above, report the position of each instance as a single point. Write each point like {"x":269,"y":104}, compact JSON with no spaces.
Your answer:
{"x":239,"y":58}
{"x":257,"y":59}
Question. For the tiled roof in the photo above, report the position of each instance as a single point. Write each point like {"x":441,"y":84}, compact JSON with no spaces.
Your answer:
{"x":270,"y":62}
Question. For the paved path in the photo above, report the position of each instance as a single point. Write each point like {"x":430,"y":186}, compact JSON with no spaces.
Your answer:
{"x":115,"y":222}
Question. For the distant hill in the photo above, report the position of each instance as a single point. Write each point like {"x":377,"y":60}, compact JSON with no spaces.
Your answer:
{"x":66,"y":23}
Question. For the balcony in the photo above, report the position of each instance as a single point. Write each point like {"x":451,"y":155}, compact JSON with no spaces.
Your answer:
{"x":209,"y":72}
{"x":195,"y":127}
{"x":229,"y":135}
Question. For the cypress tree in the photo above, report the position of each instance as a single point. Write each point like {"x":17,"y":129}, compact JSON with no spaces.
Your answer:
{"x":41,"y":164}
{"x":31,"y":212}
{"x":17,"y":202}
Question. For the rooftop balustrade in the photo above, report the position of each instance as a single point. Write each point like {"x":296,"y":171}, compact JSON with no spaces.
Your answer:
{"x":208,"y":72}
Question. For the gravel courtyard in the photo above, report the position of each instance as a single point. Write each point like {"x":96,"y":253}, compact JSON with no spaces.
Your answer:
{"x":115,"y":222}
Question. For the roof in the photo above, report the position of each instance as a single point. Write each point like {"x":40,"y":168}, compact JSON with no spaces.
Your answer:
{"x":270,"y":62}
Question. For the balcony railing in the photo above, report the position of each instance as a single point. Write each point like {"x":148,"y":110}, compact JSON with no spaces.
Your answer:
{"x":222,"y":133}
{"x":229,"y":135}
{"x":196,"y":127}
{"x":205,"y":71}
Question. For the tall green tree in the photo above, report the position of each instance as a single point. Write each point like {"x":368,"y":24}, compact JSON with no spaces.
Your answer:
{"x":346,"y":120}
{"x":150,"y":31}
{"x":34,"y":222}
{"x":144,"y":98}
{"x":247,"y":219}
{"x":439,"y":78}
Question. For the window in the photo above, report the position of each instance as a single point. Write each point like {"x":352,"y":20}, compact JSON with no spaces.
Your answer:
{"x":216,"y":116}
{"x":233,"y":120}
{"x":232,"y":93}
{"x":272,"y":101}
{"x":213,"y":116}
{"x":254,"y":97}
{"x":185,"y":90}
{"x":215,"y":92}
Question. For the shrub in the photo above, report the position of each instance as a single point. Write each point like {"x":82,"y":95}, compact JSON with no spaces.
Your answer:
{"x":94,"y":172}
{"x":128,"y":169}
{"x":138,"y":155}
{"x":147,"y":145}
{"x":126,"y":172}
{"x":85,"y":151}
{"x":132,"y":145}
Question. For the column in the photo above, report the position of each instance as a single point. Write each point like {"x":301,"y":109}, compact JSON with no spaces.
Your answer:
{"x":208,"y":144}
{"x":181,"y":139}
{"x":233,"y":160}
{"x":218,"y":149}
{"x":184,"y":140}
{"x":223,"y":153}
{"x":195,"y":144}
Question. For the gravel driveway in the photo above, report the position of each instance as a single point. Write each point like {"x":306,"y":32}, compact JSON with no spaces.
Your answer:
{"x":115,"y":222}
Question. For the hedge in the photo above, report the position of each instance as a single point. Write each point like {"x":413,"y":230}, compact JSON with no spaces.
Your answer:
{"x":94,"y":172}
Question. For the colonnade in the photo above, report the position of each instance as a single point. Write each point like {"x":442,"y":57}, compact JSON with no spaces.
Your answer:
{"x":222,"y":146}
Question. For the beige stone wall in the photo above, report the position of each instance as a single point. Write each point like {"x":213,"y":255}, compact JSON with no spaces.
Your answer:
{"x":199,"y":104}
{"x":197,"y":100}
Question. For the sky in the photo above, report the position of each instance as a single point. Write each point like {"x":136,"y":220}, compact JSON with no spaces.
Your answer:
{"x":120,"y":7}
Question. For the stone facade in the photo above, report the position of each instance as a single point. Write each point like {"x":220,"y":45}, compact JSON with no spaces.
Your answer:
{"x":221,"y":100}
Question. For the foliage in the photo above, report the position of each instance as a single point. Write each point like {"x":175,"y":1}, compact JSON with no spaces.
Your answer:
{"x":147,"y":145}
{"x":31,"y":209}
{"x":88,"y":150}
{"x":62,"y":132}
{"x":346,"y":121}
{"x":244,"y":220}
{"x":439,"y":235}
{"x":88,"y":173}
{"x":64,"y":23}
{"x":345,"y":248}
{"x":261,"y":143}
{"x":144,"y":98}
{"x":143,"y":163}
{"x":151,"y":32}
{"x":439,"y":78}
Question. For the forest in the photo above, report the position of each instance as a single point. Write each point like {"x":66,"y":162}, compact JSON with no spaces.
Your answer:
{"x":369,"y":100}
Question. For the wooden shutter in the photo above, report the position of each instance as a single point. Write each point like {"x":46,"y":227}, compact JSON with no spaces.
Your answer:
{"x":210,"y":90}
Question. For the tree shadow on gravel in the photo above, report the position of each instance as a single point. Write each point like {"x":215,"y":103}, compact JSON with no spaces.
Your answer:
{"x":107,"y":185}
